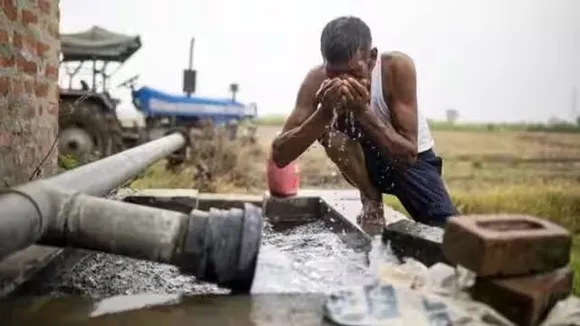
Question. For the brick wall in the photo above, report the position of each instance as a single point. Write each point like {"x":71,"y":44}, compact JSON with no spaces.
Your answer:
{"x":29,"y":56}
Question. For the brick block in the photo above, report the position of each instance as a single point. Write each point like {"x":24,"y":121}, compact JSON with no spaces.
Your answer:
{"x":505,"y":245}
{"x":524,"y":300}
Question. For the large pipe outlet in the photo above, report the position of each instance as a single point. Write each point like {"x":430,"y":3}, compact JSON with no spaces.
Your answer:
{"x":219,"y":246}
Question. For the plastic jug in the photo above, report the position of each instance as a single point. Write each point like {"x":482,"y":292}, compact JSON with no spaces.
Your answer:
{"x":282,"y":182}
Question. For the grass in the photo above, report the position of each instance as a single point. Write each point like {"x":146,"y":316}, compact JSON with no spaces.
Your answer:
{"x":510,"y":170}
{"x":278,"y":119}
{"x":519,"y":172}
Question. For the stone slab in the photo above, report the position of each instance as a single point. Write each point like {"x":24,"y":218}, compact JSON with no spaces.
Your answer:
{"x":22,"y":265}
{"x":205,"y":201}
{"x":181,"y":200}
{"x":408,"y":238}
{"x":295,"y":209}
{"x":525,"y":300}
{"x":506,"y":245}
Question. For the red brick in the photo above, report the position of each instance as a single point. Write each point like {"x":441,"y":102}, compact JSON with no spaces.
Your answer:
{"x":41,"y":48}
{"x":41,"y":89}
{"x":28,"y":17}
{"x":4,"y":37}
{"x":505,"y":245}
{"x":525,"y":300}
{"x":10,"y":9}
{"x":27,"y":67}
{"x":6,"y":61}
{"x":51,"y":71}
{"x":44,"y":6}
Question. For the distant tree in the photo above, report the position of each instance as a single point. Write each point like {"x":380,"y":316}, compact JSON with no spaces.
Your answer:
{"x":452,"y":116}
{"x":578,"y":121}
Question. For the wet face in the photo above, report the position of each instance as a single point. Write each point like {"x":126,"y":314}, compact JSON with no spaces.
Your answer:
{"x":359,"y":66}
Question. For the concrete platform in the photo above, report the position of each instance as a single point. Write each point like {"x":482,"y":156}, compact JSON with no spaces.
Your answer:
{"x":22,"y":265}
{"x":338,"y":207}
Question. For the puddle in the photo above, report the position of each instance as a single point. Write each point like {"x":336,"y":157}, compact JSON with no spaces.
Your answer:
{"x":305,"y":258}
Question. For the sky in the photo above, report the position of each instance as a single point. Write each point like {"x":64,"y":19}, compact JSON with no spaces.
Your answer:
{"x":492,"y":60}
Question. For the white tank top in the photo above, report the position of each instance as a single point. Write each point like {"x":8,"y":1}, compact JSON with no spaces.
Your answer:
{"x":424,"y":139}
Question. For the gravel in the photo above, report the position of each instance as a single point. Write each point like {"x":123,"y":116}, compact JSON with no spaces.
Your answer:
{"x":99,"y":275}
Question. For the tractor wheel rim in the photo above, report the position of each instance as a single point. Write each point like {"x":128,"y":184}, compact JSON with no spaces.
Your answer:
{"x":77,"y":142}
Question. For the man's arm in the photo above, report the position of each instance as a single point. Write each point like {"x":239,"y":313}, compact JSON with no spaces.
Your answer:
{"x":304,"y":125}
{"x":397,"y":139}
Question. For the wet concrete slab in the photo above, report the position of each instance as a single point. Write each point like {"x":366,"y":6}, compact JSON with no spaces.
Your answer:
{"x":19,"y":267}
{"x":145,"y":310}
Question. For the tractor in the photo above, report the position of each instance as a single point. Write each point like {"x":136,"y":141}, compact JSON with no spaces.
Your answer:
{"x":163,"y":112}
{"x":88,"y":125}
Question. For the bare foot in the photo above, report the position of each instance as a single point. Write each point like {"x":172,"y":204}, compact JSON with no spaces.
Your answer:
{"x":371,"y":218}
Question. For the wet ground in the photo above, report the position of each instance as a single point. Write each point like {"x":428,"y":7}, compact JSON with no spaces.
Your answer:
{"x":306,"y":258}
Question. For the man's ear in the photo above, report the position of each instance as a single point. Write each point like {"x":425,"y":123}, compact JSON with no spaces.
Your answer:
{"x":374,"y":54}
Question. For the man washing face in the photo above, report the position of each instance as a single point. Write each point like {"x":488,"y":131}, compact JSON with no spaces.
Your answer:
{"x":388,"y":148}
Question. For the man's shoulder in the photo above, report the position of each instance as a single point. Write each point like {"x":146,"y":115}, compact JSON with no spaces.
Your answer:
{"x":395,"y":61}
{"x":317,"y":72}
{"x":315,"y":76}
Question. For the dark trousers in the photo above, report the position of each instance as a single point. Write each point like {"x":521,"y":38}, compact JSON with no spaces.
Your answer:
{"x":419,"y":188}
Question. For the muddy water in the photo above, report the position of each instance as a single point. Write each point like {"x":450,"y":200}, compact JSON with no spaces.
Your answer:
{"x":307,"y":258}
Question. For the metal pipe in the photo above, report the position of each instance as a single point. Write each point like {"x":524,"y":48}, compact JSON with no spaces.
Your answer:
{"x":217,"y":246}
{"x":191,"y":43}
{"x":26,"y":211}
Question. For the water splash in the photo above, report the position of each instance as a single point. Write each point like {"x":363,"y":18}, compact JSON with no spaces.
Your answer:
{"x":311,"y":258}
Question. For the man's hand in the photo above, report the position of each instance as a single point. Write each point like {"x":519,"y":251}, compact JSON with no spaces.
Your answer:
{"x":356,"y":93}
{"x":329,"y":94}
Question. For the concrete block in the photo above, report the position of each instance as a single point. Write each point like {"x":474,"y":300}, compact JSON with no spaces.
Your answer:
{"x":180,"y":200}
{"x":524,"y":300}
{"x":24,"y":264}
{"x":408,"y":238}
{"x":291,"y":209}
{"x":205,"y":201}
{"x":505,"y":245}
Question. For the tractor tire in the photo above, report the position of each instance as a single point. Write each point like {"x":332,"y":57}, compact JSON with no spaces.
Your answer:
{"x":87,"y":132}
